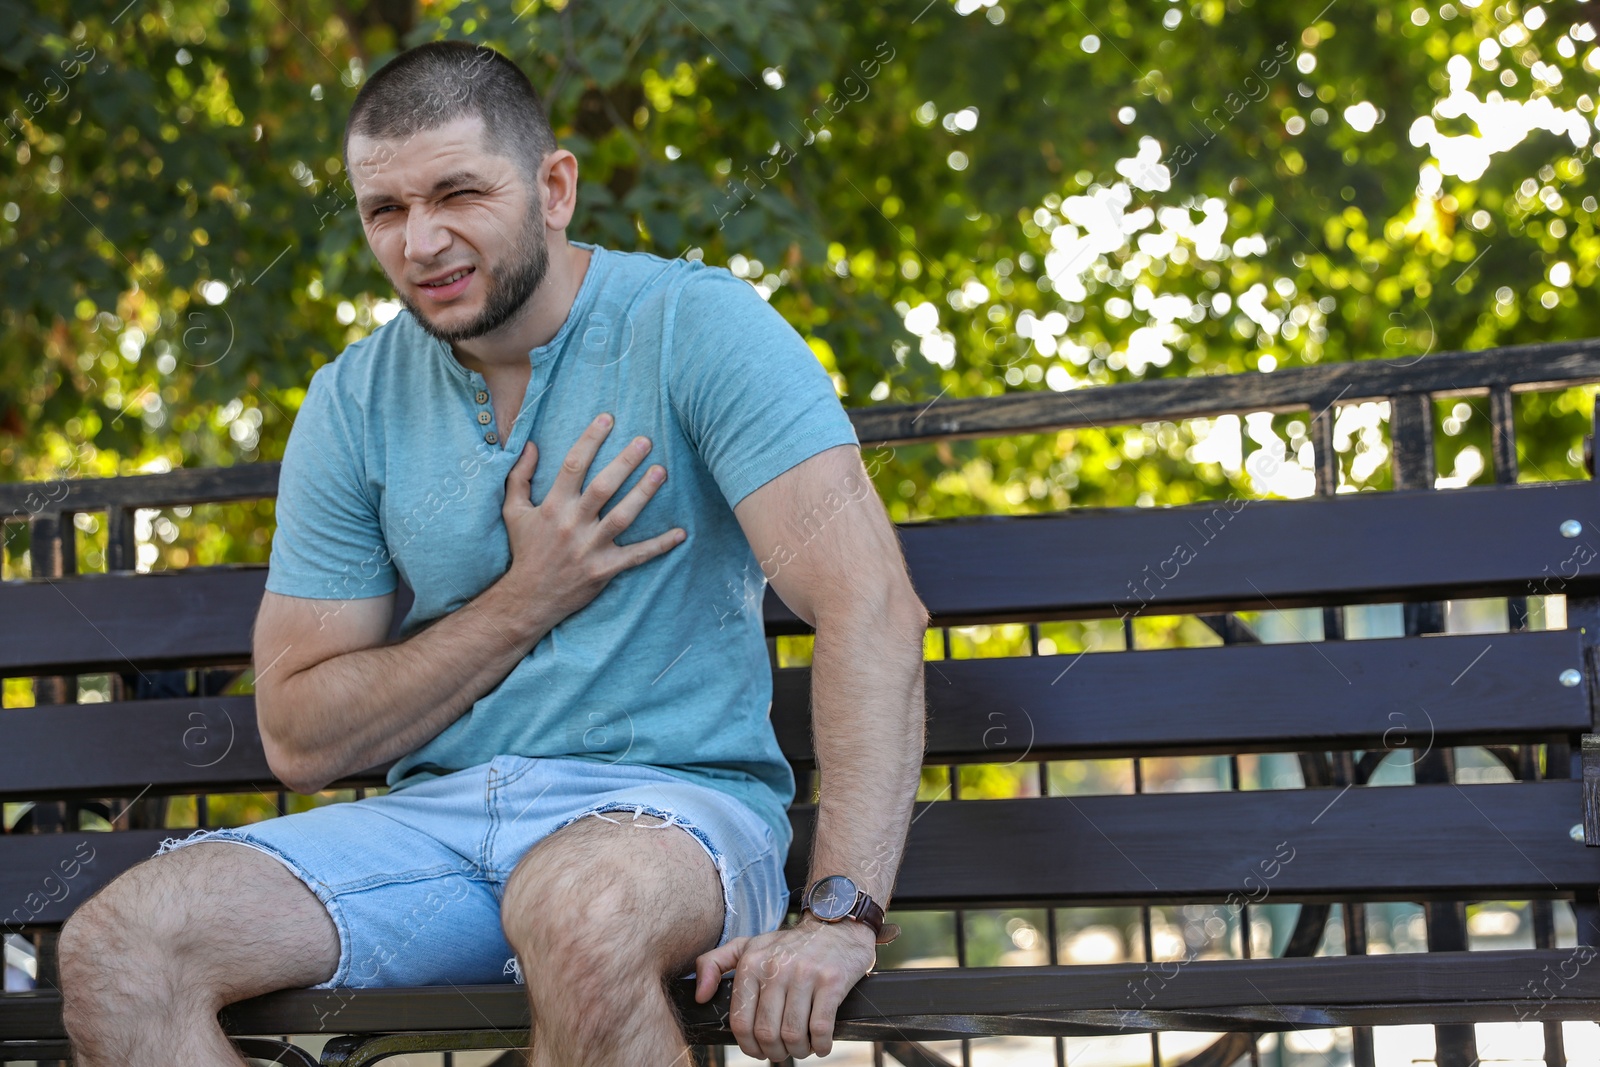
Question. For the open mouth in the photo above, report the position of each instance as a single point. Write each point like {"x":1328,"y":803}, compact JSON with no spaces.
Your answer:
{"x":448,"y":285}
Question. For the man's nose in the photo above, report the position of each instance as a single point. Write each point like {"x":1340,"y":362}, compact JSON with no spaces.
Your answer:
{"x":425,"y":237}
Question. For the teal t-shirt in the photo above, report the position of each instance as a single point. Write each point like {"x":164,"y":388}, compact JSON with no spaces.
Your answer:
{"x":392,"y":470}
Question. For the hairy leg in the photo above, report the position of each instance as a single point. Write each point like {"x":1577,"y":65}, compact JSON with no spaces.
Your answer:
{"x":601,"y":913}
{"x":149,"y":960}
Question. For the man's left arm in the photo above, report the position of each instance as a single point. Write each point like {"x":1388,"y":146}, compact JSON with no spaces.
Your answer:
{"x":829,"y":549}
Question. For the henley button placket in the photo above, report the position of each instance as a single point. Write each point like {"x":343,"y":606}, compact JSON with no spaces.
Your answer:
{"x":485,"y":417}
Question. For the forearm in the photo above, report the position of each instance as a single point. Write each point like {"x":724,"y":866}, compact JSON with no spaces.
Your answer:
{"x":869,"y":727}
{"x":366,"y":707}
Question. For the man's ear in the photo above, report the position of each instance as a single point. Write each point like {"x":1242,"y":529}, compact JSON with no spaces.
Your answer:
{"x":557,"y":186}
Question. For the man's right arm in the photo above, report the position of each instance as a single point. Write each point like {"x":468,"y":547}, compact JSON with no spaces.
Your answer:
{"x":332,"y":698}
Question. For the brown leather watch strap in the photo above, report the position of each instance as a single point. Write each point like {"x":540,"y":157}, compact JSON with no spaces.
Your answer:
{"x":870,"y":912}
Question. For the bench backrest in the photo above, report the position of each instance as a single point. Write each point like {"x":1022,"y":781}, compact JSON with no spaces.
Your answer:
{"x":1345,"y":705}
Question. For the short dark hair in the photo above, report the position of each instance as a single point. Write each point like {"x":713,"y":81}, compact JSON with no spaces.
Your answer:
{"x":432,"y":84}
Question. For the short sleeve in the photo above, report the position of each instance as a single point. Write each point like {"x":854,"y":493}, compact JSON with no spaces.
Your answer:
{"x":329,"y":544}
{"x":749,"y":392}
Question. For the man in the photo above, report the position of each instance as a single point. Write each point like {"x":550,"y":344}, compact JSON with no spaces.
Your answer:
{"x":487,"y":446}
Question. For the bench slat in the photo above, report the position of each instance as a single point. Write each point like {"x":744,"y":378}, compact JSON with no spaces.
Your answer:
{"x":1493,"y":842}
{"x":121,"y":622}
{"x":1401,"y":693}
{"x":1253,"y":995}
{"x":940,"y":1003}
{"x":932,"y":1003}
{"x":190,"y":744}
{"x":1397,"y":693}
{"x":44,"y":877}
{"x":1382,"y":843}
{"x":1094,"y":563}
{"x":1494,"y":541}
{"x":191,"y":485}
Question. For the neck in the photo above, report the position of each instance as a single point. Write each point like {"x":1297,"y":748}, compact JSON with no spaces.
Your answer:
{"x":538,"y":321}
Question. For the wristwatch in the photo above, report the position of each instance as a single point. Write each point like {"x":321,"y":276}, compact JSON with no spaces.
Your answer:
{"x":835,"y":898}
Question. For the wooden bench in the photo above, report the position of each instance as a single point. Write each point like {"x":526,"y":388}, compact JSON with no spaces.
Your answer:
{"x":1345,"y":708}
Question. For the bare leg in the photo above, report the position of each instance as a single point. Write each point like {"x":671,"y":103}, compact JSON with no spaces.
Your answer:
{"x":601,"y":913}
{"x":148,"y":961}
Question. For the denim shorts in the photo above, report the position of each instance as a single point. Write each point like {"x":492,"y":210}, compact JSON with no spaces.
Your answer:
{"x":414,"y":879}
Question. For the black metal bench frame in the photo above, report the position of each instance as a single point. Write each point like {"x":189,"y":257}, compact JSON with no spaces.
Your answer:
{"x":1529,"y":705}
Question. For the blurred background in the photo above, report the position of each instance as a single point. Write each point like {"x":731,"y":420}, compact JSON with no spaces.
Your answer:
{"x":946,"y":199}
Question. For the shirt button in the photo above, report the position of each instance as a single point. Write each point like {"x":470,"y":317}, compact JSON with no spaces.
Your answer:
{"x":483,"y":418}
{"x":491,"y":438}
{"x":483,"y":397}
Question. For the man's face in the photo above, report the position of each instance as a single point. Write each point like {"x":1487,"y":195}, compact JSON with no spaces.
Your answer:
{"x":457,"y":229}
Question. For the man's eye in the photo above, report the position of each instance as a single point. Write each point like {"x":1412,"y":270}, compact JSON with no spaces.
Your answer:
{"x":462,"y":192}
{"x":379,"y":211}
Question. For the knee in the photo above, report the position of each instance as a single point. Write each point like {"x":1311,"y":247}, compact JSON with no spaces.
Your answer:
{"x":76,"y":945}
{"x":95,"y":962}
{"x":94,"y":936}
{"x":119,"y":930}
{"x":75,"y":950}
{"x":569,"y":918}
{"x":581,"y":934}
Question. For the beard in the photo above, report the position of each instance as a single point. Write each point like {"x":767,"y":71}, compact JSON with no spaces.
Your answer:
{"x":509,"y":286}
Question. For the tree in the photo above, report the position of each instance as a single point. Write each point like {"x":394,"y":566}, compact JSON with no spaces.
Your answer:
{"x":946,"y":200}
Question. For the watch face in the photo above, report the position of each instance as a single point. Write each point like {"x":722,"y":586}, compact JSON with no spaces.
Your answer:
{"x":833,"y":897}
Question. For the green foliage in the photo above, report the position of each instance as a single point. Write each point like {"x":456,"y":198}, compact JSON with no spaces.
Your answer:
{"x":857,"y":163}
